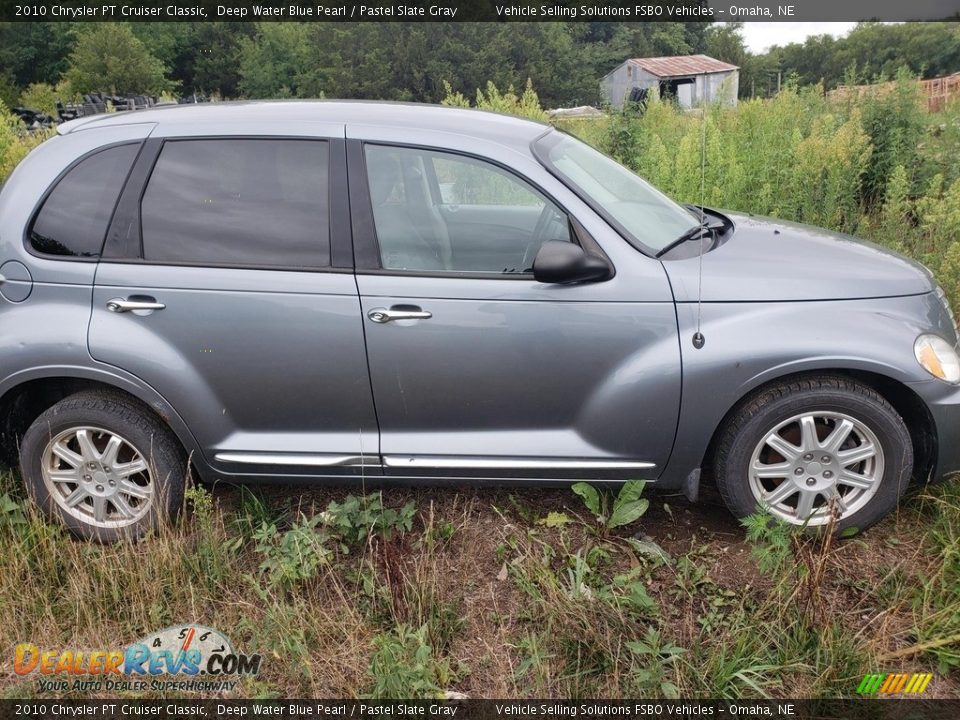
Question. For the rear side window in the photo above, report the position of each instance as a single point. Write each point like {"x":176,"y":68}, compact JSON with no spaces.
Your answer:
{"x":74,"y":217}
{"x":256,"y":203}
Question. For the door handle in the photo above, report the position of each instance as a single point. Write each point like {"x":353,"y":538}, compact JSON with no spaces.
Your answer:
{"x":399,"y":312}
{"x":119,"y":305}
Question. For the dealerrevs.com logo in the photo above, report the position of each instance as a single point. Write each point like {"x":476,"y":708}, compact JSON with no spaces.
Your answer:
{"x":180,"y":658}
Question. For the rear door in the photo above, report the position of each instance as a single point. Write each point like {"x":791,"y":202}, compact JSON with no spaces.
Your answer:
{"x":227,"y":285}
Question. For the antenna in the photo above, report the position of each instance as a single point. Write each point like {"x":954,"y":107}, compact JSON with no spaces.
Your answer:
{"x":698,"y":339}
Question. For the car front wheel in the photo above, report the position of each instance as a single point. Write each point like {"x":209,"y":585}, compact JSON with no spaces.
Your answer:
{"x":815,"y":448}
{"x":104,"y":466}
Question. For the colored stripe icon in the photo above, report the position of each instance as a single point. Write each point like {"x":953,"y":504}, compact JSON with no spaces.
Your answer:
{"x":894,"y":683}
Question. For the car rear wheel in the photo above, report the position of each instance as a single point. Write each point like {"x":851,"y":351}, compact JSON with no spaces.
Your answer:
{"x":105,"y":467}
{"x":814,"y":448}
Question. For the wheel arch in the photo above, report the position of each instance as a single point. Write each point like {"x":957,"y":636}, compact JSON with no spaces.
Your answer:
{"x":24,"y":396}
{"x":915,"y":414}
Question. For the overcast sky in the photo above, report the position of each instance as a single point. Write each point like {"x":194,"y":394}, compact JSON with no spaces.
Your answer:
{"x":761,"y":35}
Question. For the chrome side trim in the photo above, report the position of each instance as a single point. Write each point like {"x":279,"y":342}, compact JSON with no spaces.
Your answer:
{"x":415,"y":461}
{"x":302,"y":459}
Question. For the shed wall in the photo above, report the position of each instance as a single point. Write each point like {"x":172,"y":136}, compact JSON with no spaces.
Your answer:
{"x":713,"y":87}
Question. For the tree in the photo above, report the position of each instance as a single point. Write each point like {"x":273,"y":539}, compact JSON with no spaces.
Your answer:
{"x":725,"y":42}
{"x":109,"y":57}
{"x":213,"y":64}
{"x":273,"y":62}
{"x":32,"y":52}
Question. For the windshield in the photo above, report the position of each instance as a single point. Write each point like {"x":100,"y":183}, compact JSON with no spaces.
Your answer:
{"x":633,"y":205}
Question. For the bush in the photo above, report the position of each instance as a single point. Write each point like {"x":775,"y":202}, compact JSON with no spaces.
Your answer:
{"x":15,"y":142}
{"x":525,"y":105}
{"x":403,"y":666}
{"x":40,"y":97}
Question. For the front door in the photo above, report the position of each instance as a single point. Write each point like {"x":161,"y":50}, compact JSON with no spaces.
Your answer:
{"x":238,"y":303}
{"x":477,"y":369}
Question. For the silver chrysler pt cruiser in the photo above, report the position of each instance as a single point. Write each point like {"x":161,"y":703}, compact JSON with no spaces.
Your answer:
{"x":323,"y":292}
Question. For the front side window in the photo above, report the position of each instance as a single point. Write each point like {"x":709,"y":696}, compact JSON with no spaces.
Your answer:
{"x":441,"y":212}
{"x":247,"y":202}
{"x":643,"y":212}
{"x":73,"y":219}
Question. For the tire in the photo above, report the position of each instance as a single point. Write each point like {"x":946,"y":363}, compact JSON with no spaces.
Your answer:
{"x":108,"y":497}
{"x":806,"y":413}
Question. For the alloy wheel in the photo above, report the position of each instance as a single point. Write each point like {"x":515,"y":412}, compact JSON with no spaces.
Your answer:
{"x":97,"y":476}
{"x":814,"y":465}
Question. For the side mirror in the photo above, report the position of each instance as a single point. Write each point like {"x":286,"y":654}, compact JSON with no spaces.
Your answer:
{"x":564,"y":262}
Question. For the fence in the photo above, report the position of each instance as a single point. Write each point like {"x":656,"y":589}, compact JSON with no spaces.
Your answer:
{"x":936,"y":91}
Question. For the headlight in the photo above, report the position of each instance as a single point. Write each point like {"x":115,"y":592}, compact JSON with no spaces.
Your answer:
{"x":937,"y":357}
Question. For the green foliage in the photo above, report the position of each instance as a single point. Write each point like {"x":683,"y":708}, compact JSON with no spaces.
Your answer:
{"x":771,"y":540}
{"x":108,"y":57}
{"x":276,"y":62}
{"x":628,"y":591}
{"x":9,"y":92}
{"x":527,"y":104}
{"x":12,"y":515}
{"x":293,"y":556}
{"x":41,"y":97}
{"x":873,"y":50}
{"x":200,"y":501}
{"x":32,"y":52}
{"x":208,"y":558}
{"x":578,"y":617}
{"x":923,"y":226}
{"x":650,"y":549}
{"x":794,"y":156}
{"x":937,"y":599}
{"x":15,"y":142}
{"x":403,"y":666}
{"x":895,"y":123}
{"x":658,"y":659}
{"x":591,"y":498}
{"x":356,"y":518}
{"x":252,"y":514}
{"x":628,"y":506}
{"x":555,"y":519}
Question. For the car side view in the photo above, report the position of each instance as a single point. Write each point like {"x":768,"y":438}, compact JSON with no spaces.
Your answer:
{"x":335,"y":291}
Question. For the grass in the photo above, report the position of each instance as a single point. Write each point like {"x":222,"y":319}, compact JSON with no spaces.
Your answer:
{"x":419,"y":593}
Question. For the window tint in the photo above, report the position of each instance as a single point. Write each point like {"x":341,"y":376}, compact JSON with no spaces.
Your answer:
{"x":438,"y":212}
{"x":73,"y":219}
{"x":238,"y":202}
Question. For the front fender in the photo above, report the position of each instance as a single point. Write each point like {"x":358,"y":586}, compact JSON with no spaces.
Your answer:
{"x":751,"y":344}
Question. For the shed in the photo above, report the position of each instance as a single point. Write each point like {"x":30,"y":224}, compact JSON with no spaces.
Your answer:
{"x":692,"y":79}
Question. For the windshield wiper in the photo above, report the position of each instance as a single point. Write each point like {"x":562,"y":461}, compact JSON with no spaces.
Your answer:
{"x":693,"y":233}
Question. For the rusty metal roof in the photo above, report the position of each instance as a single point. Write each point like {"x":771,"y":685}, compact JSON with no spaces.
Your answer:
{"x":680,"y":65}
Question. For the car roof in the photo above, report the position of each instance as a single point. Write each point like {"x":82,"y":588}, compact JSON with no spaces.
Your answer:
{"x":275,"y":113}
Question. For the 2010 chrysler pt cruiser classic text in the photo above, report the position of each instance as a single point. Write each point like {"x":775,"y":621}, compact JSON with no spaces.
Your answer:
{"x":323,"y":291}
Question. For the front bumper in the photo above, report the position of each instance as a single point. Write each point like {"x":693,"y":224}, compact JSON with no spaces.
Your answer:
{"x":943,"y":403}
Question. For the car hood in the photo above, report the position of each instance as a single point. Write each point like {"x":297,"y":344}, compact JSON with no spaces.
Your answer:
{"x":765,"y":259}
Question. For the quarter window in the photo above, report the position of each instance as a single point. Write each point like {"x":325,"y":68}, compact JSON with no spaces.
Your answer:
{"x":74,"y":217}
{"x":441,"y":212}
{"x":239,"y":202}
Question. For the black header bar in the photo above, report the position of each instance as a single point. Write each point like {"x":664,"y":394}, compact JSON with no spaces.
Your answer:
{"x":478,"y":10}
{"x":652,"y":709}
